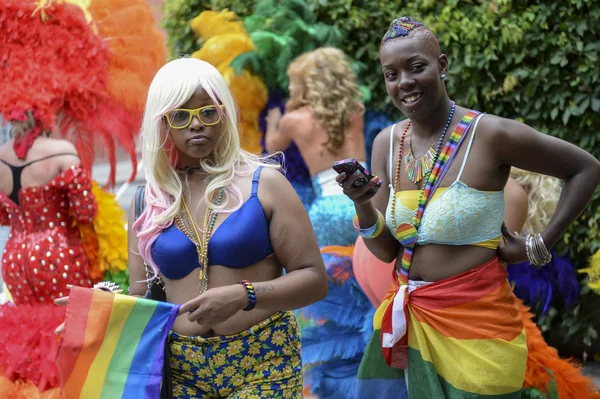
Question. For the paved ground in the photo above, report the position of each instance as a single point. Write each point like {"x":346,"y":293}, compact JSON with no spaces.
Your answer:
{"x":593,"y":370}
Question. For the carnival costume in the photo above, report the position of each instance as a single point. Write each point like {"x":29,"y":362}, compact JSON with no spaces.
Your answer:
{"x":334,"y":330}
{"x":60,"y":68}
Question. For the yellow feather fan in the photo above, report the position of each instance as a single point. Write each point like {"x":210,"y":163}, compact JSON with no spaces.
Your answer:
{"x":593,"y":272}
{"x":105,"y":241}
{"x":222,"y":49}
{"x":109,"y":225}
{"x":212,"y":23}
{"x":225,"y":38}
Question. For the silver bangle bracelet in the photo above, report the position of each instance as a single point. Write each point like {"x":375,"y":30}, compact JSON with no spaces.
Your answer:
{"x":536,"y":250}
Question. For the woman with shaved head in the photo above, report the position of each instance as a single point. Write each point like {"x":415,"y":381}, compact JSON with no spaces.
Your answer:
{"x":452,"y":328}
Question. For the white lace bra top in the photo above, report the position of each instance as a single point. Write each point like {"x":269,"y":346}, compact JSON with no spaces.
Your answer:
{"x":460,"y":215}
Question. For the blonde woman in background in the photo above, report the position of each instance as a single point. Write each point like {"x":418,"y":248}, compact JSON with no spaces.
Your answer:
{"x":534,"y":195}
{"x":324,"y":117}
{"x":529,"y":207}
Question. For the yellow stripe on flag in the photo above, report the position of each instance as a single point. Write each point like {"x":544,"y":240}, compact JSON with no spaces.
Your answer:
{"x":378,"y":317}
{"x":122,"y":306}
{"x":494,"y":366}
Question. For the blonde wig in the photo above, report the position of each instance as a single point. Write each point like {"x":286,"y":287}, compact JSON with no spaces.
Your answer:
{"x":328,"y":86}
{"x":172,"y":86}
{"x":19,"y":128}
{"x":543,"y":193}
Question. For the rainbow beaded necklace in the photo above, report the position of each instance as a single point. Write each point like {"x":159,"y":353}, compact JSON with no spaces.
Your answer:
{"x":407,"y":233}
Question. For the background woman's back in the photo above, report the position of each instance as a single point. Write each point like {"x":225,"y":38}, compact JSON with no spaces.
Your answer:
{"x":46,"y":158}
{"x":311,"y":137}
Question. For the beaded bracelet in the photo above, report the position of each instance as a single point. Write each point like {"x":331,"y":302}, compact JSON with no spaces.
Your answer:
{"x":251,"y":294}
{"x":373,"y":231}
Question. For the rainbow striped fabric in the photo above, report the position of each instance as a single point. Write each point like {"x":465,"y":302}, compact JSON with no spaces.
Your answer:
{"x":464,"y":339}
{"x":113,"y":345}
{"x":433,"y":180}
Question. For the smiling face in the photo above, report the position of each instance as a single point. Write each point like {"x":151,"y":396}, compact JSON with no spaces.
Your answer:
{"x":411,"y":69}
{"x":196,"y":141}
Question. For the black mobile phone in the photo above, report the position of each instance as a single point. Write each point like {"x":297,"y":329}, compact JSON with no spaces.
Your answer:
{"x":351,"y":165}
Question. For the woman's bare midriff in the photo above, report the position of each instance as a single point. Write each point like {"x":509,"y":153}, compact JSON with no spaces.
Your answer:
{"x":187,"y":288}
{"x":438,"y":262}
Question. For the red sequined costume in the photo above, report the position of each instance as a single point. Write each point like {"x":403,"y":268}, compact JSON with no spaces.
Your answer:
{"x":81,"y":70}
{"x":44,"y":252}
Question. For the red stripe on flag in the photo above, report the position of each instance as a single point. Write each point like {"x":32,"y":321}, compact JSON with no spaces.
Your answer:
{"x":99,"y":310}
{"x":72,"y":339}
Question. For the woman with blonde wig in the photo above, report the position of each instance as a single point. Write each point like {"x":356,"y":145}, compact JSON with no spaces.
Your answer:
{"x":218,"y":229}
{"x":324,"y":118}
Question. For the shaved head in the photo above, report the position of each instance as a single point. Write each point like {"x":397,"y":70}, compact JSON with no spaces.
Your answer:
{"x":406,"y":27}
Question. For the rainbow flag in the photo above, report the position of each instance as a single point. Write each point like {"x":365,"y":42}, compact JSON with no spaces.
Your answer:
{"x":463,"y":338}
{"x":113,"y":345}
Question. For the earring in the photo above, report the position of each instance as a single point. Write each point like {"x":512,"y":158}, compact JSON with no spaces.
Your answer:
{"x":443,"y":76}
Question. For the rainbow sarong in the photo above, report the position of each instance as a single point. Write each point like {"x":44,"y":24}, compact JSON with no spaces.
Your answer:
{"x":113,"y":345}
{"x":462,"y":337}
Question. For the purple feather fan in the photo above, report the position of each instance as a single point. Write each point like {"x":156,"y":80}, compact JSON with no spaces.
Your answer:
{"x":555,"y":283}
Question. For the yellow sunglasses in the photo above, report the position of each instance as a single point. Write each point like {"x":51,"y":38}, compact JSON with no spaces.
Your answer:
{"x":180,"y":118}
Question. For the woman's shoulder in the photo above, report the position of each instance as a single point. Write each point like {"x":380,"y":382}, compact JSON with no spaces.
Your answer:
{"x":270,"y":170}
{"x":297,"y":117}
{"x":383,"y":137}
{"x":271,"y":174}
{"x":60,"y":145}
{"x":490,"y":123}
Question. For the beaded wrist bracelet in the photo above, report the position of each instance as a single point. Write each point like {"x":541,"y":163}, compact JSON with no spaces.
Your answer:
{"x":251,"y":294}
{"x":373,"y":231}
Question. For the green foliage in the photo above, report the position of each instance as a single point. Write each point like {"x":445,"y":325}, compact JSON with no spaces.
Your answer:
{"x":281,"y":31}
{"x":177,"y":15}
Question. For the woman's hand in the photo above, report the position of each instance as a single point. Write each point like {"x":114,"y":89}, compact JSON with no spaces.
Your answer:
{"x":359,"y":195}
{"x":62,"y":301}
{"x":216,"y":304}
{"x":512,"y":248}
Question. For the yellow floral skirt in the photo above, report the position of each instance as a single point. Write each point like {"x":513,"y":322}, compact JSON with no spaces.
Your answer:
{"x":260,"y":362}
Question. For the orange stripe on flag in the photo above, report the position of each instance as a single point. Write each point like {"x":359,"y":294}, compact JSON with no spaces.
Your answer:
{"x":461,"y":289}
{"x":493,"y":316}
{"x":100,"y":309}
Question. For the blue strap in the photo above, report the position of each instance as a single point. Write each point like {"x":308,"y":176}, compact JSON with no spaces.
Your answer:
{"x":255,"y":181}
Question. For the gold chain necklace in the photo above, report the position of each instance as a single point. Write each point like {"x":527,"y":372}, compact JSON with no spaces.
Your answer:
{"x":189,"y":228}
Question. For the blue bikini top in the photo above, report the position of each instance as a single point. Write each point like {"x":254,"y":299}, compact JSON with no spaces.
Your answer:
{"x":240,"y":241}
